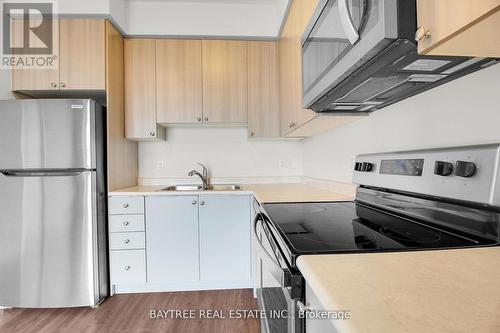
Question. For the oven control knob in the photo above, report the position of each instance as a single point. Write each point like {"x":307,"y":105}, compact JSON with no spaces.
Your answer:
{"x":465,"y":169}
{"x":357,"y":166}
{"x":366,"y":166}
{"x":442,"y":168}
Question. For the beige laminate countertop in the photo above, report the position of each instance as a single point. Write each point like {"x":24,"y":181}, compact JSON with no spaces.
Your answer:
{"x":265,"y":193}
{"x":443,"y":291}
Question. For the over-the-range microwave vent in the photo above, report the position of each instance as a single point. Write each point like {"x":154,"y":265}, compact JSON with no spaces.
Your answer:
{"x":396,"y":73}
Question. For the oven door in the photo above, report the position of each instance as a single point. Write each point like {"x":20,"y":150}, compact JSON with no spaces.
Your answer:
{"x":275,"y":284}
{"x":341,"y":36}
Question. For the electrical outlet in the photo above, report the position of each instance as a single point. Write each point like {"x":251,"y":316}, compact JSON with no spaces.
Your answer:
{"x":160,"y":164}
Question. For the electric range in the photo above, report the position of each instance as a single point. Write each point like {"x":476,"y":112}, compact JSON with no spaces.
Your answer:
{"x":406,"y":201}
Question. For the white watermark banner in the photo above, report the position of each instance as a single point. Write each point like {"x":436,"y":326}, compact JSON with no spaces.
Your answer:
{"x":30,"y":34}
{"x":245,"y":314}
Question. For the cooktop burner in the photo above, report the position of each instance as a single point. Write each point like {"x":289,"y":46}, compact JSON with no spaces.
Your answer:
{"x":349,"y":227}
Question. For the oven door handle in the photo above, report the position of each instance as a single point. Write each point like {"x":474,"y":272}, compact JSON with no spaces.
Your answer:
{"x":258,"y":219}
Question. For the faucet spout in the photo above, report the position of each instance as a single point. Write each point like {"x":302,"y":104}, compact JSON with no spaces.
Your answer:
{"x":202,"y":177}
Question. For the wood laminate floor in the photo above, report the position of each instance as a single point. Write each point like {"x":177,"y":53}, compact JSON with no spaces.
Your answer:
{"x":131,"y":313}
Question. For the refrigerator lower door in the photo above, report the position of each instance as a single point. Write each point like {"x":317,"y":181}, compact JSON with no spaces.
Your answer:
{"x":48,"y":239}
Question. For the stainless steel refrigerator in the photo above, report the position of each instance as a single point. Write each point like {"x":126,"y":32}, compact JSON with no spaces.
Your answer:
{"x":53,"y":245}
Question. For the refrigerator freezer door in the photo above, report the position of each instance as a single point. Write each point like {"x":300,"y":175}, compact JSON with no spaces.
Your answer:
{"x":48,"y":240}
{"x":47,"y":134}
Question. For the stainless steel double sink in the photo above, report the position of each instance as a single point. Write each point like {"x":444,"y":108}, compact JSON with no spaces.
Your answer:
{"x":219,"y":187}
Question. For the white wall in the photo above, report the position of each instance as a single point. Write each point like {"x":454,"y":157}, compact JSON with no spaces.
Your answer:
{"x":226,"y":151}
{"x":83,"y":7}
{"x":238,"y":18}
{"x":463,"y":112}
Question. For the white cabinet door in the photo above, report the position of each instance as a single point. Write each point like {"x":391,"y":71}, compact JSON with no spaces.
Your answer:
{"x":172,"y":239}
{"x":225,"y":249}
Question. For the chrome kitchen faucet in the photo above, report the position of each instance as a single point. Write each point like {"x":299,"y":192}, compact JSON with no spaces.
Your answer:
{"x":203,"y":176}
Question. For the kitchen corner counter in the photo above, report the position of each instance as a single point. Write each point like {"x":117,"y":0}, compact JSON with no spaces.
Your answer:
{"x":265,"y":193}
{"x":418,"y":291}
{"x":293,"y":192}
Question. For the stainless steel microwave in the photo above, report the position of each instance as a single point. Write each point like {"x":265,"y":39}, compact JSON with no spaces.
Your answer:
{"x":361,"y":55}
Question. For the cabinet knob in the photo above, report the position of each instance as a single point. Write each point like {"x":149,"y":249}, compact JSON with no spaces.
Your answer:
{"x":126,"y":241}
{"x":62,"y":85}
{"x":202,"y":203}
{"x":53,"y":85}
{"x":125,"y":205}
{"x":151,"y":133}
{"x":421,"y":33}
{"x":126,"y":223}
{"x":127,"y":268}
{"x":193,"y":202}
{"x":198,"y":118}
{"x":252,"y":133}
{"x":205,"y":119}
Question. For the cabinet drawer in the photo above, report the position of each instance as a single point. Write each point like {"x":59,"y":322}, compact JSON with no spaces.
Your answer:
{"x":126,"y":205}
{"x":128,"y":266}
{"x":127,"y":240}
{"x":124,"y":223}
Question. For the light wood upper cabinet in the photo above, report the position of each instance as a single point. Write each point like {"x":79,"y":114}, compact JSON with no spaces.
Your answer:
{"x":81,"y":63}
{"x":225,"y":82}
{"x":290,"y":50}
{"x":82,"y":54}
{"x":140,"y":90}
{"x":179,"y":81}
{"x":35,"y":79}
{"x":459,"y":27}
{"x":263,"y":86}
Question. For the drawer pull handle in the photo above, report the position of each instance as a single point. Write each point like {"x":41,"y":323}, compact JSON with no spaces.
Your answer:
{"x":127,"y":268}
{"x":126,"y":223}
{"x":126,"y":241}
{"x":125,"y":205}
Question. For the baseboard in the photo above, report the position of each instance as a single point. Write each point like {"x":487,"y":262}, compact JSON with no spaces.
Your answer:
{"x":183,"y":286}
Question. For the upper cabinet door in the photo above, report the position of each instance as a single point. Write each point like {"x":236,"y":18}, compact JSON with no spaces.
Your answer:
{"x":82,"y":54}
{"x":35,"y":79}
{"x":293,"y":115}
{"x":140,"y":90}
{"x":263,"y":87}
{"x":178,"y":81}
{"x":224,"y":81}
{"x":459,"y":27}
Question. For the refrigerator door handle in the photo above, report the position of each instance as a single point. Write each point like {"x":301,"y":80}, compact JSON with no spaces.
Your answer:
{"x":42,"y":173}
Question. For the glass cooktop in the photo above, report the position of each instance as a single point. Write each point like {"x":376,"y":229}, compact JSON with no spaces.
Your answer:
{"x":348,"y":227}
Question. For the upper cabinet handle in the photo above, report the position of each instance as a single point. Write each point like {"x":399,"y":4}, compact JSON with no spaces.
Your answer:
{"x":347,"y":23}
{"x":421,"y":33}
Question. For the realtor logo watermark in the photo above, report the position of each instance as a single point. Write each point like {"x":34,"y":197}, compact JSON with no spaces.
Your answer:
{"x":29,"y":35}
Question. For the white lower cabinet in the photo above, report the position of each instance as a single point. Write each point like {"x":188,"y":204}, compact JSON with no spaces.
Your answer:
{"x":225,"y":233}
{"x":181,"y":242}
{"x":128,"y":267}
{"x":172,"y":239}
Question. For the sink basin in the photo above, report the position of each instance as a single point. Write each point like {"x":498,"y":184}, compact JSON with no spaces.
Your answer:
{"x":223,"y":187}
{"x":219,"y":187}
{"x":182,"y":188}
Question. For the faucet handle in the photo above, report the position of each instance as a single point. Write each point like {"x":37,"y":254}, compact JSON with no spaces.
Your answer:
{"x":205,"y":170}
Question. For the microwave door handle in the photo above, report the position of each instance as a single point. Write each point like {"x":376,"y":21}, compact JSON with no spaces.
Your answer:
{"x":347,"y":23}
